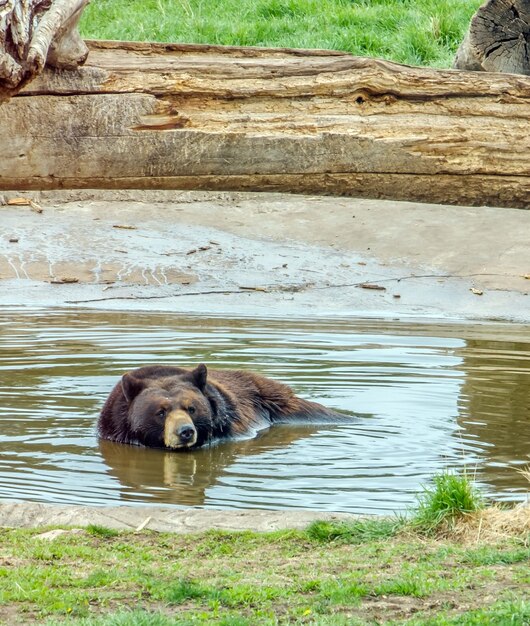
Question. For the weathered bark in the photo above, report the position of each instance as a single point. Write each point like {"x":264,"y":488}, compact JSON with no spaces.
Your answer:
{"x":498,"y":39}
{"x":204,"y":117}
{"x":36,"y":32}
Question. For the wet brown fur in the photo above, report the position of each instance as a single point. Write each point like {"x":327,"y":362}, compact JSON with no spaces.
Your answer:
{"x":226,"y":403}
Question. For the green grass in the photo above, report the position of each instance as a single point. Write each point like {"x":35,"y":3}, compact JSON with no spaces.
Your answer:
{"x":358,"y":531}
{"x":267,"y":579}
{"x":506,"y":613}
{"x":486,"y":555}
{"x":447,"y":499}
{"x":101,"y":531}
{"x":418,"y":32}
{"x":366,"y":571}
{"x":123,"y":618}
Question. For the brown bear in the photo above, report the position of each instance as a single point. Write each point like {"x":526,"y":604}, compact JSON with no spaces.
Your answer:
{"x":170,"y":407}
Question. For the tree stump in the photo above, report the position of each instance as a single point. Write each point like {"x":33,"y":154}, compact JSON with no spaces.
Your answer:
{"x":498,"y":39}
{"x":34,"y":33}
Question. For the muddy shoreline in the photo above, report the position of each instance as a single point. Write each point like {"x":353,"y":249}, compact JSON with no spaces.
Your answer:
{"x":264,"y":255}
{"x":161,"y":519}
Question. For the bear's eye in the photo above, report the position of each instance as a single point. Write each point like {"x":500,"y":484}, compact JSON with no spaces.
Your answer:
{"x":161,"y":413}
{"x":191,"y":410}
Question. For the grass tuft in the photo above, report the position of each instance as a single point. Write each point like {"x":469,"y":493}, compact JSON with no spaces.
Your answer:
{"x":342,"y":591}
{"x":526,"y":473}
{"x":355,"y":532}
{"x":183,"y":590}
{"x":449,"y":498}
{"x":489,"y":555}
{"x":101,"y":531}
{"x":414,"y":585}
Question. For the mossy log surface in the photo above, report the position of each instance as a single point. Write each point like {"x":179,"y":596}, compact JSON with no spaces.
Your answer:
{"x":206,"y":117}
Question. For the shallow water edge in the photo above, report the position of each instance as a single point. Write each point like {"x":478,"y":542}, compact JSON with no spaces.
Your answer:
{"x":428,"y":397}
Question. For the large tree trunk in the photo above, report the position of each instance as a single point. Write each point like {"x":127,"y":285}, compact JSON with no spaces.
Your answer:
{"x":498,"y":39}
{"x":205,"y":117}
{"x":36,"y":32}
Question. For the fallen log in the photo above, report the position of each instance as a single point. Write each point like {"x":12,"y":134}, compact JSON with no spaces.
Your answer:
{"x":206,"y":117}
{"x":498,"y":39}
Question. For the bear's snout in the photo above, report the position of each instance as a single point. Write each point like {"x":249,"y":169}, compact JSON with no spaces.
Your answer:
{"x":179,"y":430}
{"x":186,"y":433}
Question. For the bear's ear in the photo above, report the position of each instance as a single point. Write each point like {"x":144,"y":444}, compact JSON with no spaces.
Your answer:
{"x":198,"y":376}
{"x":131,"y":386}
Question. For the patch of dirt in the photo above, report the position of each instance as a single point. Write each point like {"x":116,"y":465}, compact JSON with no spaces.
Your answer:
{"x":397,"y":607}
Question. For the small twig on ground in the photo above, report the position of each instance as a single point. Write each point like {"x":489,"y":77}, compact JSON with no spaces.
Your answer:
{"x":169,"y":295}
{"x":143,"y":524}
{"x":279,"y":288}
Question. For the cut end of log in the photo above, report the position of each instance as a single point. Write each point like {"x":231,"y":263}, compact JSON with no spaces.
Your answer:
{"x":498,"y":39}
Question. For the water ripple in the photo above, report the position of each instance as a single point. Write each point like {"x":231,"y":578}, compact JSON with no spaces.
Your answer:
{"x":428,"y":396}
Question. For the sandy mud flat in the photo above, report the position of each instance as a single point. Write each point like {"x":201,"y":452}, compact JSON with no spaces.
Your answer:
{"x":263,"y":254}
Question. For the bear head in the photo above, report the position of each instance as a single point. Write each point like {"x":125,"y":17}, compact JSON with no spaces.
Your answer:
{"x":168,"y":409}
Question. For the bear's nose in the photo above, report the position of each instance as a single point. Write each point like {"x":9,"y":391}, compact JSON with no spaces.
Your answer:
{"x":186,"y":433}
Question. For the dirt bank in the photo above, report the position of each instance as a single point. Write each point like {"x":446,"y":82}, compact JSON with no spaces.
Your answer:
{"x":164,"y":519}
{"x":264,"y":254}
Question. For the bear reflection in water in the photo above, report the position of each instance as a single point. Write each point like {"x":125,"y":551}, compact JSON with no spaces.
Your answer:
{"x":169,"y":407}
{"x":151,"y":475}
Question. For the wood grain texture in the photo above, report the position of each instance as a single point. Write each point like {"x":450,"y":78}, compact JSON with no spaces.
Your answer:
{"x":498,"y":39}
{"x":34,"y":33}
{"x":207,"y":117}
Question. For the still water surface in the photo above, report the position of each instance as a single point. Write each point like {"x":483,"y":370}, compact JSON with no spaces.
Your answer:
{"x":427,"y":396}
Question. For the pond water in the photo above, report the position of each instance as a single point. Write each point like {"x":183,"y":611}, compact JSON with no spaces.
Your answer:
{"x":428,"y":397}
